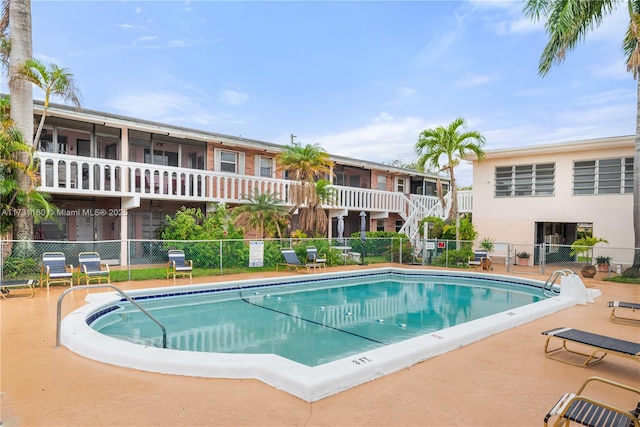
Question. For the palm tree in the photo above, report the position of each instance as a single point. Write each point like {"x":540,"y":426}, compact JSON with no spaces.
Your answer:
{"x":307,"y":165}
{"x":261,"y":211}
{"x":53,"y":80}
{"x":568,"y":22}
{"x":313,"y":217}
{"x":16,"y":16}
{"x":15,"y":201}
{"x":434,"y":144}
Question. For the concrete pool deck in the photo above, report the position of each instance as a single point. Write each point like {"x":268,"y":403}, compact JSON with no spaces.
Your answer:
{"x":500,"y":380}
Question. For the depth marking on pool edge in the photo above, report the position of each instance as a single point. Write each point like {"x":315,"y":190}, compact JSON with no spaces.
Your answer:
{"x":309,"y":320}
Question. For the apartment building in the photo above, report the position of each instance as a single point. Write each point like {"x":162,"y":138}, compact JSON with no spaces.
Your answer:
{"x":115,"y":178}
{"x":547,"y":193}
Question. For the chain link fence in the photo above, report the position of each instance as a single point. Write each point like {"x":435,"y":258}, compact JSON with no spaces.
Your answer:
{"x":22,"y":259}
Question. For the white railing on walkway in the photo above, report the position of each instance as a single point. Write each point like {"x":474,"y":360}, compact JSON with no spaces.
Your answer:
{"x":76,"y":175}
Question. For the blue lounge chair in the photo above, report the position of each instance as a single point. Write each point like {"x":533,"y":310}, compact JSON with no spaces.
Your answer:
{"x":601,"y":345}
{"x":7,"y":285}
{"x":585,"y":410}
{"x":178,"y":265}
{"x":91,"y":268}
{"x":55,"y":269}
{"x":480,"y":260}
{"x":291,"y":261}
{"x":628,"y":320}
{"x":314,"y":258}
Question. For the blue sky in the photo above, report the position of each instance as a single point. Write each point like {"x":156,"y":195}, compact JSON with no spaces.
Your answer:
{"x":362,"y":79}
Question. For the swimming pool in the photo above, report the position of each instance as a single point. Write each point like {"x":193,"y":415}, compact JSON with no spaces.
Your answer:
{"x":345,"y":340}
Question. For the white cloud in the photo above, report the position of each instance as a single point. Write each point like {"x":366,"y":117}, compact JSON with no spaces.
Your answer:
{"x":384,"y":139}
{"x":170,"y":107}
{"x":472,"y":81}
{"x":232,"y":97}
{"x":440,"y":43}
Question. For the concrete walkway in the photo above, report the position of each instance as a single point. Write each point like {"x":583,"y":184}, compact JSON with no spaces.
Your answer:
{"x":503,"y":380}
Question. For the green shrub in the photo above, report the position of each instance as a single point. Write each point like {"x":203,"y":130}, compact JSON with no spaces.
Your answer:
{"x":15,"y":268}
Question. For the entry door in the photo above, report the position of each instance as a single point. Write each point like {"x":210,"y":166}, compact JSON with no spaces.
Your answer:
{"x":85,"y":228}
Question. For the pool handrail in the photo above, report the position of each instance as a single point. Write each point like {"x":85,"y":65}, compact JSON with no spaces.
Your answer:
{"x":549,"y":291}
{"x":121,"y":292}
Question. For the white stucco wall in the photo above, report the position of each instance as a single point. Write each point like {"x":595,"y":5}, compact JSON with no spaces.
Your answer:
{"x":512,"y":219}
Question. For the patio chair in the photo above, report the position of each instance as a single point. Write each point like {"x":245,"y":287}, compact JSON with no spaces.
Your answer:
{"x":291,"y":261}
{"x":480,"y":260}
{"x":178,"y":265}
{"x":27,"y":284}
{"x":314,"y":258}
{"x":601,"y":345}
{"x":581,"y":409}
{"x":91,"y":268}
{"x":55,"y":269}
{"x":628,"y":320}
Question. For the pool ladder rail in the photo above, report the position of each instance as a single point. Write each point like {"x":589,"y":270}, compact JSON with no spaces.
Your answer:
{"x":548,"y":289}
{"x":121,"y":292}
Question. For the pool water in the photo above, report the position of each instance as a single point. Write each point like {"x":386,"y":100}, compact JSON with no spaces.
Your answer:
{"x":314,"y":323}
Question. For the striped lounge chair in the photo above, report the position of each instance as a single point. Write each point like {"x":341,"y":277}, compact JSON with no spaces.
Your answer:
{"x":585,"y":410}
{"x":55,"y":269}
{"x":91,"y":268}
{"x":628,"y":320}
{"x":600,"y":344}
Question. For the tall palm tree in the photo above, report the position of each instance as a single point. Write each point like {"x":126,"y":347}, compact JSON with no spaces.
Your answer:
{"x":449,"y":144}
{"x":307,"y":165}
{"x":53,"y":80}
{"x":261,"y":211}
{"x":313,"y":217}
{"x":567,"y":23}
{"x":21,"y":91}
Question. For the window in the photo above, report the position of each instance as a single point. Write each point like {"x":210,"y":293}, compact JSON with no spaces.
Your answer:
{"x":264,"y":166}
{"x":380,"y":225}
{"x":525,"y":180}
{"x":400,"y":185}
{"x":228,"y":161}
{"x":382,"y":182}
{"x":160,"y":157}
{"x":604,"y":176}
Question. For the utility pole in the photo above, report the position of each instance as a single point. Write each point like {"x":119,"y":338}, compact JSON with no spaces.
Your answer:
{"x":292,"y":137}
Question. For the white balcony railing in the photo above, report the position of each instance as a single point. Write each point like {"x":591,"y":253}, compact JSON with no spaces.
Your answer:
{"x":76,"y":175}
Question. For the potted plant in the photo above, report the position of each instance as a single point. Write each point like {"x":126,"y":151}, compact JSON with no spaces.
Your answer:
{"x":603,"y":263}
{"x":488,"y":244}
{"x":523,"y":257}
{"x":583,"y":248}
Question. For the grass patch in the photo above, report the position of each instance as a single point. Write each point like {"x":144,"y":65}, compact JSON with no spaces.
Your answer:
{"x":620,"y":279}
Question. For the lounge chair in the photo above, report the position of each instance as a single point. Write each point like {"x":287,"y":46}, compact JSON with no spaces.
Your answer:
{"x":314,"y":258}
{"x":178,"y":265}
{"x":581,"y":409}
{"x":55,"y":269}
{"x":480,"y":260}
{"x":291,"y":261}
{"x":7,"y":285}
{"x":601,"y":345}
{"x":621,"y":319}
{"x":91,"y":268}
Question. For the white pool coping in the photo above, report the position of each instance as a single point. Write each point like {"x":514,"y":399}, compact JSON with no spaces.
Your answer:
{"x":307,"y":383}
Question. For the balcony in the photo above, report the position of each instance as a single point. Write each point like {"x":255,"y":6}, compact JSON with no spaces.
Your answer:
{"x":131,"y":181}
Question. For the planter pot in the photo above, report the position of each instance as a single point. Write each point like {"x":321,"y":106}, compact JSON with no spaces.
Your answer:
{"x":603,"y":268}
{"x":588,"y":271}
{"x":523,"y":261}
